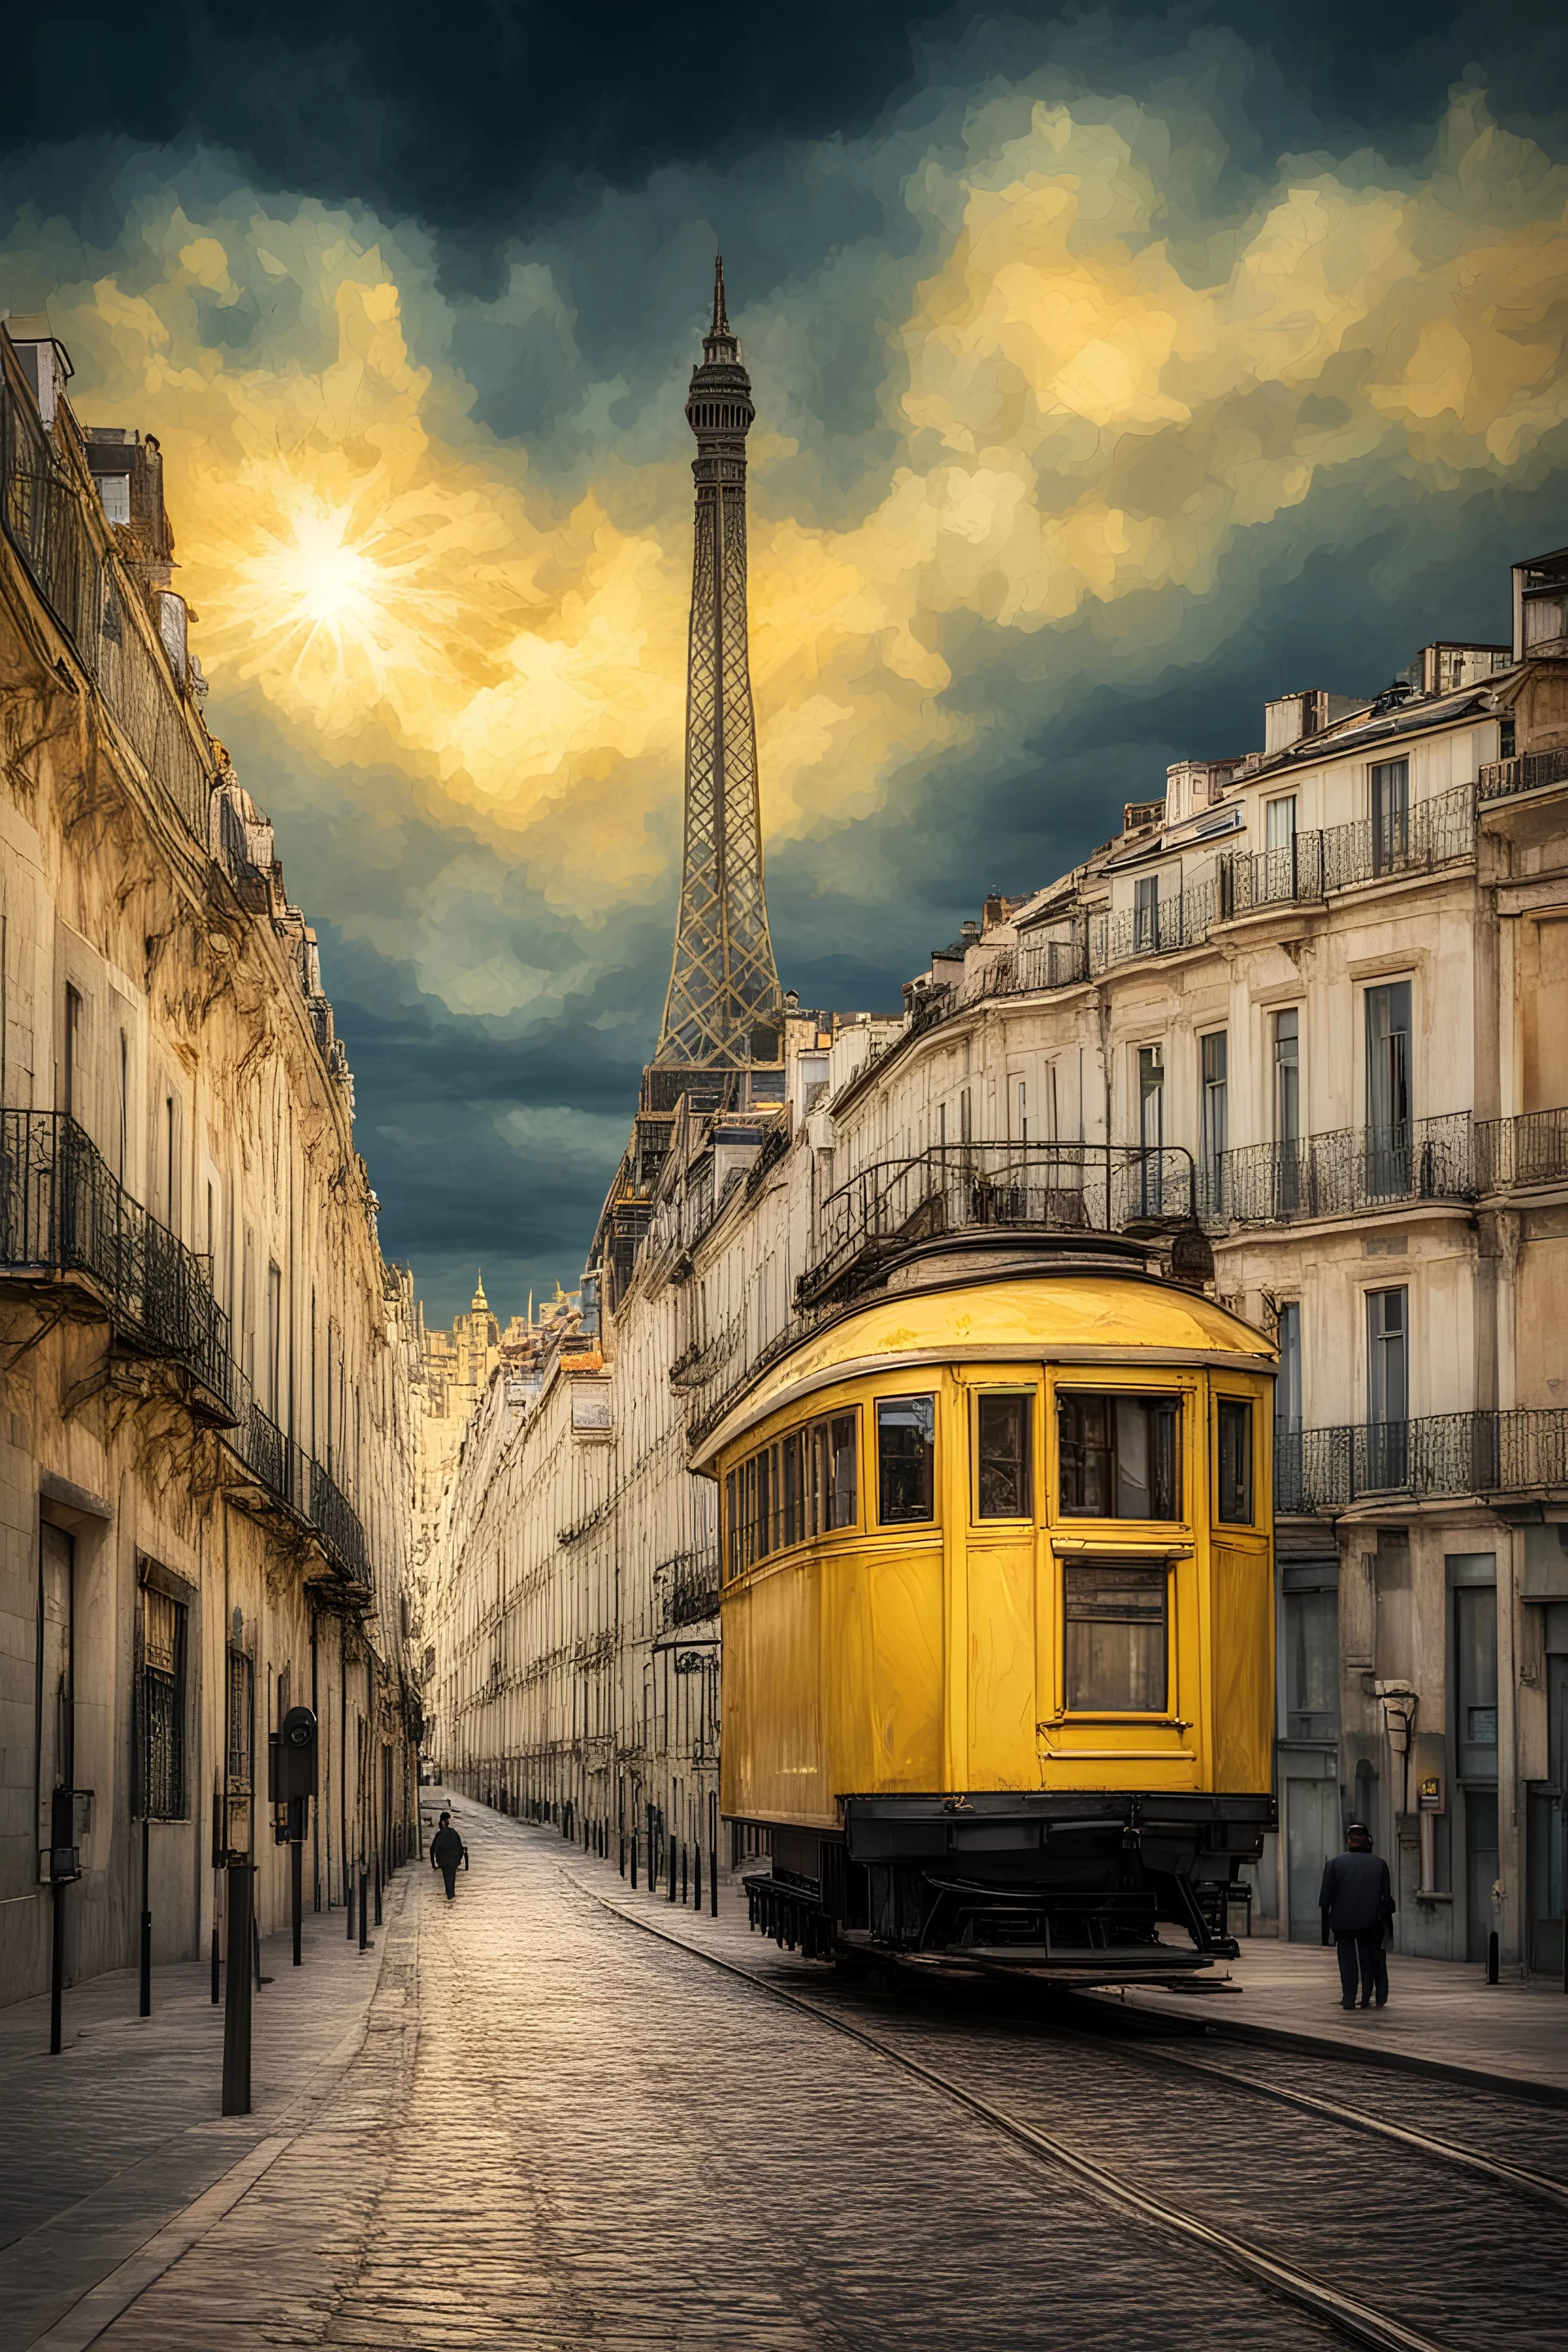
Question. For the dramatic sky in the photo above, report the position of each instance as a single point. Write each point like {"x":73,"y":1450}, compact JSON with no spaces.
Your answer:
{"x":1113,"y":371}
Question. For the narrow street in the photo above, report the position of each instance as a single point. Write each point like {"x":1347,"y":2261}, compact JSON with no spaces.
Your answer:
{"x":561,"y":2128}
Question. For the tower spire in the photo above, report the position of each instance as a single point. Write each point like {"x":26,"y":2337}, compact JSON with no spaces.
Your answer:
{"x":723,"y":979}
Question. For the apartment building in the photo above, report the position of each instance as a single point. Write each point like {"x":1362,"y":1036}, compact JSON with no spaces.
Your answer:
{"x":207,"y":1441}
{"x":1304,"y":1023}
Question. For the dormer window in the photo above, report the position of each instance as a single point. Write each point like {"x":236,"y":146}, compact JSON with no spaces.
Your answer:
{"x":114,"y":489}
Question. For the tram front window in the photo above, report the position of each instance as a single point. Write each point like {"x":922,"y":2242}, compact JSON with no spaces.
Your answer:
{"x":1119,"y":1457}
{"x":906,"y":1450}
{"x":1116,"y":1639}
{"x":1003,"y":1447}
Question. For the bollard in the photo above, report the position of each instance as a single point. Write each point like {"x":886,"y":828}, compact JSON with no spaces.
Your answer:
{"x":1492,"y":1957}
{"x":215,"y":1964}
{"x":713,"y":1880}
{"x":237,"y":2006}
{"x":683,"y":1872}
{"x":145,"y":2006}
{"x":634,"y":1861}
{"x":696,"y":1879}
{"x":652,"y":1855}
{"x":670,"y":1897}
{"x":348,"y":1903}
{"x":378,"y":1891}
{"x":363,"y":1915}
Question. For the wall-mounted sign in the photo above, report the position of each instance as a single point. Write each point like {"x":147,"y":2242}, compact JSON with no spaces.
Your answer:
{"x":591,"y":1407}
{"x":1430,"y":1793}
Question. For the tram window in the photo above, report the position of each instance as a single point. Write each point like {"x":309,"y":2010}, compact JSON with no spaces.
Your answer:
{"x":765,"y":1461}
{"x":1235,"y":1430}
{"x":1004,"y":1452}
{"x":1119,"y":1457}
{"x":733,"y":1523}
{"x":791,"y":1516}
{"x":906,"y":1451}
{"x":830,"y":1486}
{"x":1116,"y":1646}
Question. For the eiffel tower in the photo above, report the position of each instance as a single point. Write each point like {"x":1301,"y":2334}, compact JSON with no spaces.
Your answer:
{"x":723,"y":981}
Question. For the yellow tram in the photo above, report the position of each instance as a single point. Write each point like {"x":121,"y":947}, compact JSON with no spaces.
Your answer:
{"x":997,"y":1616}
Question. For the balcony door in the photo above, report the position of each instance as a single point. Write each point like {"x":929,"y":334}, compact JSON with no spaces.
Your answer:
{"x":1544,"y":1010}
{"x":1388,"y":1089}
{"x":1387,"y":1388}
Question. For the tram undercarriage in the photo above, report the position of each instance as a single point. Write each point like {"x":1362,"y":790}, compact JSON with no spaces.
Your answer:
{"x":1075,"y":1886}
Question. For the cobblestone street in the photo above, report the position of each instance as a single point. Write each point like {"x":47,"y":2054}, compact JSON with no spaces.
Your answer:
{"x":560,"y":2128}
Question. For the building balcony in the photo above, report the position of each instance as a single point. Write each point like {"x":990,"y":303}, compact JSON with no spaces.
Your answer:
{"x":1521,"y":1453}
{"x":1314,"y":866}
{"x":1354,"y":1170}
{"x":65,"y":1218}
{"x":953,"y":1190}
{"x":1501,"y":778}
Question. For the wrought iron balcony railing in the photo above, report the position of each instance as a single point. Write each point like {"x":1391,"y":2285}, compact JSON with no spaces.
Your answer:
{"x":1523,"y":1450}
{"x":1531,"y":1149}
{"x":1432,"y":834}
{"x":1501,"y":779}
{"x":62,"y":1213}
{"x":953,"y":1189}
{"x":1348,"y":1170}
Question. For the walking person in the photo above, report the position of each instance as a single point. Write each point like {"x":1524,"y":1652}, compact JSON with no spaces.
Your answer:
{"x":446,"y":1851}
{"x":1357,"y":1904}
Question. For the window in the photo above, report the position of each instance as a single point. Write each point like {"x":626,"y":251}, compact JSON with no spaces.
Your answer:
{"x":275,"y":1346}
{"x":1390,"y":815}
{"x":1116,"y":1638}
{"x":1474,"y":1656}
{"x":1119,"y":1457}
{"x":1387,"y":1385}
{"x":1311,"y":1660}
{"x":1146,"y":912}
{"x":1388,"y":1089}
{"x":73,"y":1053}
{"x":1287,"y":1386}
{"x":906,"y":1456}
{"x":804,"y":1486}
{"x":1233,"y":1426}
{"x":241,"y":1696}
{"x":1214,"y":1050}
{"x":1003,"y":1437}
{"x":1150,"y":1129}
{"x":1279,"y":820}
{"x":160,"y":1698}
{"x":1288,"y":1076}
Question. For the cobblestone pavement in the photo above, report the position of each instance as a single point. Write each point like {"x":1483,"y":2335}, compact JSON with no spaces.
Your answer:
{"x":562,"y":2130}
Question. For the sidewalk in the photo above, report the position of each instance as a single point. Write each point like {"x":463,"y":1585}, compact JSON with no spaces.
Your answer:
{"x":111,"y":2142}
{"x":1442,"y":2016}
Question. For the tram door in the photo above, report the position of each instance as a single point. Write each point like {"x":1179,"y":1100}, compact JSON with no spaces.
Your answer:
{"x":57,"y":1682}
{"x":1311,"y":1835}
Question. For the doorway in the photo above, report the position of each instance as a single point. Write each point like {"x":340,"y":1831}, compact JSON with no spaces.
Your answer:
{"x":56,"y":1680}
{"x":1480,"y":1869}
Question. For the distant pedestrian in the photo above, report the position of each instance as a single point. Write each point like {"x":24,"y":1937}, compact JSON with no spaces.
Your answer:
{"x":446,"y":1851}
{"x":1357,"y":1904}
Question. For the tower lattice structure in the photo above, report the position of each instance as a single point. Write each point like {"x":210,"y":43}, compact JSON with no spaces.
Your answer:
{"x":723,"y":979}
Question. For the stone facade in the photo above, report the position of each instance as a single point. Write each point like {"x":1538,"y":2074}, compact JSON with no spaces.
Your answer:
{"x":208,"y":1440}
{"x":1306,"y":1016}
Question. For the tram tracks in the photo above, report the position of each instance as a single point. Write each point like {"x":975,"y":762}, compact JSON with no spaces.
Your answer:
{"x":1353,"y":2318}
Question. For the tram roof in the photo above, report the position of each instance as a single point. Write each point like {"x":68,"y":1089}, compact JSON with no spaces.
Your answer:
{"x":1062,"y":1318}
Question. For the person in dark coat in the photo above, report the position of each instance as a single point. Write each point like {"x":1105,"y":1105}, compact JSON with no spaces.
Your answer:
{"x":1357,"y":1904}
{"x":446,"y":1851}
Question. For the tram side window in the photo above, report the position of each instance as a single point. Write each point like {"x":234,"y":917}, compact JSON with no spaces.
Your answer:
{"x":1235,"y":1433}
{"x":906,"y":1457}
{"x":1005,"y":1448}
{"x":832,"y":1486}
{"x":1121,"y":1457}
{"x":1116,"y":1639}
